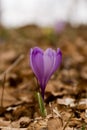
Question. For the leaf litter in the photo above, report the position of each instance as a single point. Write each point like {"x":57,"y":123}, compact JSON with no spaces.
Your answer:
{"x":66,"y":92}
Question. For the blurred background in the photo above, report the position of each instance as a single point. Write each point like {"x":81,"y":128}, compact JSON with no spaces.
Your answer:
{"x":16,"y":13}
{"x":43,"y":22}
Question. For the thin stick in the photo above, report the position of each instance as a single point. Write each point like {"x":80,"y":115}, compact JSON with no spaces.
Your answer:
{"x":67,"y":121}
{"x":12,"y":66}
{"x":3,"y":87}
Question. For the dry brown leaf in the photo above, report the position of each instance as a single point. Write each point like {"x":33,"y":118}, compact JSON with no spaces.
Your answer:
{"x":55,"y":124}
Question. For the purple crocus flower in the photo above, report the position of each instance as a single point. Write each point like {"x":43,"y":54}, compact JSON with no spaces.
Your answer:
{"x":44,"y":64}
{"x":59,"y":27}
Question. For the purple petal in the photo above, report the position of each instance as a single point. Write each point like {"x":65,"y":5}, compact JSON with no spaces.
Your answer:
{"x":51,"y":63}
{"x":58,"y":60}
{"x":49,"y":56}
{"x":48,"y":61}
{"x":36,"y":62}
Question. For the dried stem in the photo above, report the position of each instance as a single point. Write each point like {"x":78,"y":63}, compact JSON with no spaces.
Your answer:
{"x":3,"y":75}
{"x":67,"y":121}
{"x":12,"y":66}
{"x":3,"y":87}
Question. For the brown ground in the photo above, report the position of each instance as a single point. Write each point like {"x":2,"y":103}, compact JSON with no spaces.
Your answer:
{"x":66,"y":92}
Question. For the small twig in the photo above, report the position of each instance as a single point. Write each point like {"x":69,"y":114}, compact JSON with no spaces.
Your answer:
{"x":10,"y":128}
{"x":12,"y":66}
{"x":67,"y":121}
{"x":3,"y":87}
{"x":3,"y":75}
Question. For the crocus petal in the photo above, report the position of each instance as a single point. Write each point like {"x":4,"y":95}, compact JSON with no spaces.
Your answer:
{"x":36,"y":62}
{"x":48,"y":63}
{"x":57,"y":60}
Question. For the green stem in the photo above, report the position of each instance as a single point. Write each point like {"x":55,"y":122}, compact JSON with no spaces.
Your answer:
{"x":41,"y":104}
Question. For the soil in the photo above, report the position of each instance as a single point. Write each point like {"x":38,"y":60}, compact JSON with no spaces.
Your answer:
{"x":66,"y":91}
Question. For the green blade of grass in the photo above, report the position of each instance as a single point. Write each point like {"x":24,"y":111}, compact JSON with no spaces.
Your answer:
{"x":83,"y":127}
{"x":41,"y":104}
